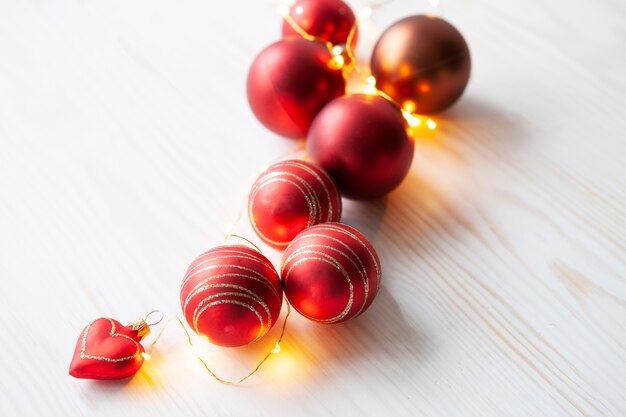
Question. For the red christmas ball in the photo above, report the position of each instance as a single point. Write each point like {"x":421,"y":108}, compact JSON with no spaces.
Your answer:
{"x":289,"y":82}
{"x":423,"y":63}
{"x":330,"y":20}
{"x":362,"y":142}
{"x":331,"y":273}
{"x":106,"y":349}
{"x":231,"y":294}
{"x":289,"y":197}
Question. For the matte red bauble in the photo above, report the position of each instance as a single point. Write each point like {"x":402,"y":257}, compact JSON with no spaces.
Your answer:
{"x":423,"y":63}
{"x":106,"y":349}
{"x":330,"y":20}
{"x":289,"y":82}
{"x":331,"y":273}
{"x":232,"y":295}
{"x":362,"y":142}
{"x":289,"y":197}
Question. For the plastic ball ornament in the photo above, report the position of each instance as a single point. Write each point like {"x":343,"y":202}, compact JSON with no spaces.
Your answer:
{"x":289,"y":197}
{"x":330,"y":20}
{"x":331,"y":273}
{"x":231,"y":295}
{"x":289,"y":82}
{"x":362,"y":142}
{"x":423,"y":63}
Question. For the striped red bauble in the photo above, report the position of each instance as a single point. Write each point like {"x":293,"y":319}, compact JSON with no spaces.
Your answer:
{"x":289,"y":197}
{"x":330,"y":272}
{"x":231,"y":294}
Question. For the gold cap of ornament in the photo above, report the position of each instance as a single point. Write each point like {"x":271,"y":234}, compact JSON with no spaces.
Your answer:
{"x":141,"y":327}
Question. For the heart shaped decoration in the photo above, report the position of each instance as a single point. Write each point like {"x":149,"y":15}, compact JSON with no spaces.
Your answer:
{"x":108,"y":350}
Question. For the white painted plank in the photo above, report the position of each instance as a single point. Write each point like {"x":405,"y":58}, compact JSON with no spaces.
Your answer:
{"x":126,"y":146}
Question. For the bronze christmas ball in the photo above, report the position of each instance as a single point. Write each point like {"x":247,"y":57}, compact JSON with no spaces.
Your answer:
{"x":423,"y":63}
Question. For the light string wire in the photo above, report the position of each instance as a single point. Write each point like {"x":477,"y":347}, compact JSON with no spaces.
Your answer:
{"x":339,"y":62}
{"x":219,"y":379}
{"x":229,"y":227}
{"x":229,"y":235}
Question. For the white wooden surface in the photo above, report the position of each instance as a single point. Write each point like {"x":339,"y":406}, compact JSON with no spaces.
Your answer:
{"x":126,"y":146}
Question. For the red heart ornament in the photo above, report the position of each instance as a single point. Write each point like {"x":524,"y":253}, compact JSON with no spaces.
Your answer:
{"x":108,"y":350}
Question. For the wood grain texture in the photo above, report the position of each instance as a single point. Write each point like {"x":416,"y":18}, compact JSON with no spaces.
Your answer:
{"x":126,"y":145}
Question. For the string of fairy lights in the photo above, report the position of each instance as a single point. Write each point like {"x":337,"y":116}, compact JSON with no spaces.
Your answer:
{"x":345,"y":59}
{"x":196,"y":352}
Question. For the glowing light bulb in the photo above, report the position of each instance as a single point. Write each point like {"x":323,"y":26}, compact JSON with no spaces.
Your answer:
{"x":337,"y":62}
{"x":432,"y":125}
{"x":146,"y":356}
{"x":285,"y":7}
{"x":409,"y":106}
{"x":411,"y":119}
{"x":370,"y":88}
{"x":276,"y":348}
{"x":338,"y":50}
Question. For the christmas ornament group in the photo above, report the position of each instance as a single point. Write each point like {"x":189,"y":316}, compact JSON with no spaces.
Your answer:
{"x":359,"y":146}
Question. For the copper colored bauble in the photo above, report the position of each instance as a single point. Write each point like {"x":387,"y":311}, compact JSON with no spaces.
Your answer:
{"x":362,"y":142}
{"x":331,"y":273}
{"x":106,"y":349}
{"x":289,"y":197}
{"x":330,"y":20}
{"x":289,"y":82}
{"x":423,"y":63}
{"x":231,"y":294}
